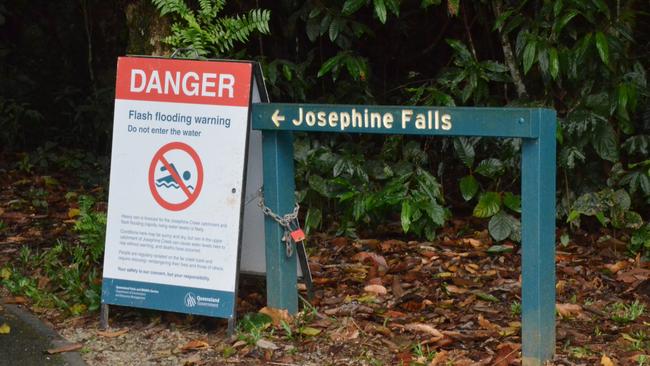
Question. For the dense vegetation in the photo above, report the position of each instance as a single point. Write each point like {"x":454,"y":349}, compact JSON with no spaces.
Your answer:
{"x":586,"y":59}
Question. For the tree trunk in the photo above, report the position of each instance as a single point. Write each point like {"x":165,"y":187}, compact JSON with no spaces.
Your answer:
{"x":147,"y":29}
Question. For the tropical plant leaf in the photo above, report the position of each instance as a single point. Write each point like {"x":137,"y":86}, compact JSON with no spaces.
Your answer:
{"x":468,"y":187}
{"x":489,"y":204}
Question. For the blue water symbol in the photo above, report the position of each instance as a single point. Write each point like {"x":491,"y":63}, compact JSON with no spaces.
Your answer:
{"x":169,"y":182}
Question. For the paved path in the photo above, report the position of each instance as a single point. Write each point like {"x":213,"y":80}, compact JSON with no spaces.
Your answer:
{"x":28,"y":339}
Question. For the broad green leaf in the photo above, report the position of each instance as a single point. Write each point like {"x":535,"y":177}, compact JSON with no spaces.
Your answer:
{"x":351,"y":6}
{"x":313,"y":218}
{"x":318,"y":184}
{"x":313,"y":29}
{"x":488,"y":204}
{"x":406,"y":215}
{"x":330,"y":64}
{"x":435,"y":212}
{"x":604,"y":141}
{"x":501,"y":225}
{"x":490,"y":168}
{"x":529,"y":56}
{"x":603,"y":47}
{"x":464,"y":150}
{"x":380,"y":10}
{"x":468,"y":187}
{"x":554,"y":63}
{"x":498,"y":249}
{"x":335,"y":28}
{"x":512,"y":201}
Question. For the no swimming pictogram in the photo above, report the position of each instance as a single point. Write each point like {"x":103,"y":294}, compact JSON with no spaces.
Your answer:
{"x":175,"y":176}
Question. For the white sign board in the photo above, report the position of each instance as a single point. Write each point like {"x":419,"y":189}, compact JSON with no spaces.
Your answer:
{"x":176,"y":184}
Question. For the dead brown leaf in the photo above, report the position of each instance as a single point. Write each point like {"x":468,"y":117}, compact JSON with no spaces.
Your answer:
{"x":347,"y":332}
{"x":67,"y":348}
{"x":486,"y":324}
{"x":506,"y":353}
{"x":455,"y":289}
{"x":568,"y":310}
{"x":424,"y":328}
{"x":633,"y":275}
{"x":606,"y":361}
{"x":194,"y":345}
{"x":616,"y":267}
{"x":277,"y":315}
{"x":376,"y":289}
{"x":373,"y":257}
{"x":440,"y":359}
{"x":113,"y":334}
{"x":19,"y":300}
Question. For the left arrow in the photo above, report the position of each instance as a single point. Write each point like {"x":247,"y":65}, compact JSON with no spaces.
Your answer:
{"x":277,"y":118}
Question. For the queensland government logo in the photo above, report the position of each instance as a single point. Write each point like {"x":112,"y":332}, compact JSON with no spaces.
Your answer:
{"x":190,"y":300}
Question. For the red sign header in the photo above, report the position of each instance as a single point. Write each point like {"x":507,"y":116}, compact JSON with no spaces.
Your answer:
{"x":183,"y":81}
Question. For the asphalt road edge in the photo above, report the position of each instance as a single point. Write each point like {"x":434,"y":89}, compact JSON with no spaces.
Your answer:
{"x":69,"y":358}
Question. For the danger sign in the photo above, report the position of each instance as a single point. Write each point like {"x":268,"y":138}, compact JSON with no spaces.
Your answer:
{"x":180,"y":136}
{"x":175,"y":185}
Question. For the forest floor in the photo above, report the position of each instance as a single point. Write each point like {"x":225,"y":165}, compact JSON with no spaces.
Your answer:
{"x":378,"y":301}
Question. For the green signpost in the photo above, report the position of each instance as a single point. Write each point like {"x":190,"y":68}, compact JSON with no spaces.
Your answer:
{"x":536,"y":128}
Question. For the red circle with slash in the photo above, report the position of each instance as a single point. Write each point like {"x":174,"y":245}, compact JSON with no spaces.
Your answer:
{"x":191,"y":196}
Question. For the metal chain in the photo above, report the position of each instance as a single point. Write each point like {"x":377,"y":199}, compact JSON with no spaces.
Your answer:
{"x":285,"y":222}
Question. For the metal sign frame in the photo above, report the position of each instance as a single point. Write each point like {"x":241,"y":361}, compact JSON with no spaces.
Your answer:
{"x":535,"y":126}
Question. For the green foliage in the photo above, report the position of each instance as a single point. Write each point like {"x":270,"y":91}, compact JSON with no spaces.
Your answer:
{"x":206,"y":30}
{"x":608,"y":207}
{"x":342,"y":184}
{"x":626,"y":313}
{"x":69,"y":275}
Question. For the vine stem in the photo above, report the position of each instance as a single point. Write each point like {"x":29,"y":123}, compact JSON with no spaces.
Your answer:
{"x":508,"y":55}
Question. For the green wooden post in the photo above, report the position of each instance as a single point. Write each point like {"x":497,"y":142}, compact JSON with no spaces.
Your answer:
{"x":538,"y":240}
{"x":279,"y":187}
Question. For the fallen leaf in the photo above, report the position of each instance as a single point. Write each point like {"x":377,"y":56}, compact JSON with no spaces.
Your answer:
{"x":398,"y":291}
{"x":73,"y":212}
{"x":277,"y":315}
{"x":486,"y":324}
{"x":113,"y":334}
{"x":473,"y":242}
{"x":309,"y":331}
{"x":616,"y":267}
{"x":5,"y":328}
{"x":455,"y":289}
{"x":424,"y":328}
{"x":633,"y":275}
{"x":374,"y":257}
{"x":194,"y":345}
{"x":19,"y":300}
{"x":506,"y":353}
{"x":5,"y":273}
{"x":606,"y":361}
{"x":264,"y":344}
{"x":440,"y":359}
{"x":67,"y":348}
{"x":568,"y":310}
{"x":346,"y":333}
{"x":376,"y":289}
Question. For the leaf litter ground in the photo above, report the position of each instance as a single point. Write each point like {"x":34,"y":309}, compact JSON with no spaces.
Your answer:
{"x":455,"y":301}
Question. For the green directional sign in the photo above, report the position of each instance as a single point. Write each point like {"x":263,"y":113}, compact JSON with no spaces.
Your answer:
{"x":508,"y":122}
{"x":536,"y":128}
